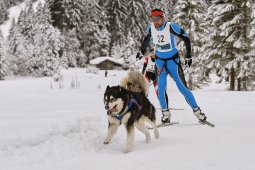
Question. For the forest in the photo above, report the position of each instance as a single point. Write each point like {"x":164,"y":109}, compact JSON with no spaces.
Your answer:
{"x":62,"y":33}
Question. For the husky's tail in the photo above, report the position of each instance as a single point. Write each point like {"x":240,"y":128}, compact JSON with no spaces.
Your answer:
{"x":136,"y":82}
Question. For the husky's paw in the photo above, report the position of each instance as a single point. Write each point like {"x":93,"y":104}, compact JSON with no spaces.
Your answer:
{"x":106,"y":141}
{"x":148,"y":138}
{"x":156,"y":134}
{"x":126,"y":150}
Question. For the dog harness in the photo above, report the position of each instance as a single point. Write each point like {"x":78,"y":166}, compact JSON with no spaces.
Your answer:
{"x":130,"y":104}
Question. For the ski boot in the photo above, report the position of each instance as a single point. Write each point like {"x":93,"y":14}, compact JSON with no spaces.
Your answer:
{"x":198,"y":113}
{"x":166,"y":116}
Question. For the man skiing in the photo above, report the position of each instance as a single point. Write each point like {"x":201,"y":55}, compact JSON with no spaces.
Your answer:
{"x":150,"y":72}
{"x":167,"y":59}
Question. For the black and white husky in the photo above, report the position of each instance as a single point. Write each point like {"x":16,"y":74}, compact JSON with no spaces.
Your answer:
{"x":131,"y":109}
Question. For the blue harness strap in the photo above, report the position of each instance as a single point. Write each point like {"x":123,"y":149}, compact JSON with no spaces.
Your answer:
{"x":119,"y":117}
{"x":130,"y":104}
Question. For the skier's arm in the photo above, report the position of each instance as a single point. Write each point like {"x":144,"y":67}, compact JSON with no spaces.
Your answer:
{"x":145,"y":65}
{"x":178,"y":31}
{"x":146,"y":40}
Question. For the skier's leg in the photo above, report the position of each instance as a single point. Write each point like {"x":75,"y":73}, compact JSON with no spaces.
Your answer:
{"x":162,"y":80}
{"x":174,"y":71}
{"x":155,"y":80}
{"x":179,"y":79}
{"x":166,"y":96}
{"x":155,"y":84}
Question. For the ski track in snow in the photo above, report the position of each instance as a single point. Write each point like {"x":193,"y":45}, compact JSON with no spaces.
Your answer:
{"x":84,"y":135}
{"x":31,"y":139}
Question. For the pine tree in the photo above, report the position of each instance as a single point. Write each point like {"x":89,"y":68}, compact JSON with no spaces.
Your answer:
{"x":95,"y":35}
{"x":127,"y":51}
{"x":3,"y":63}
{"x":248,"y":81}
{"x":117,"y":52}
{"x":28,"y":21}
{"x":104,"y":41}
{"x":72,"y":50}
{"x":116,"y":16}
{"x":18,"y":51}
{"x":138,"y":13}
{"x":73,"y":13}
{"x":229,"y":49}
{"x":57,"y":12}
{"x":21,"y":20}
{"x":212,"y":50}
{"x":10,"y":3}
{"x":167,"y":6}
{"x":189,"y":15}
{"x":3,"y":12}
{"x":48,"y":41}
{"x":92,"y":45}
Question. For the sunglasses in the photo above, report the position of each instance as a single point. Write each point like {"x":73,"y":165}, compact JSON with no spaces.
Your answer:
{"x":154,"y":19}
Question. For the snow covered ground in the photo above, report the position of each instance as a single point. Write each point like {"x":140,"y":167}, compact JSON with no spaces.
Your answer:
{"x":63,"y":129}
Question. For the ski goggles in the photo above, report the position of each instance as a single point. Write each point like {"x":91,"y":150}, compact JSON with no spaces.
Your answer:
{"x":156,"y":18}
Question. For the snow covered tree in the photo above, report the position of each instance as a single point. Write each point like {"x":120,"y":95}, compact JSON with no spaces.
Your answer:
{"x":128,"y":52}
{"x":249,"y":74}
{"x":10,"y":3}
{"x":229,"y":48}
{"x":138,"y":14}
{"x":66,"y":14}
{"x":3,"y":63}
{"x":48,"y":41}
{"x":91,"y":44}
{"x":167,"y":6}
{"x":116,"y":16}
{"x":27,"y":29}
{"x":57,"y":12}
{"x":72,"y":49}
{"x":3,"y":12}
{"x":104,"y":41}
{"x":73,"y":13}
{"x":190,"y":15}
{"x":116,"y":51}
{"x":95,"y":37}
{"x":18,"y":51}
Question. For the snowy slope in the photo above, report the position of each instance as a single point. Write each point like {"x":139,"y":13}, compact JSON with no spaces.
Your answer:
{"x":63,"y":129}
{"x":14,"y":13}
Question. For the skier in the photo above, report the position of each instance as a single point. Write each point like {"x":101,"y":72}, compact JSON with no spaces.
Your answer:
{"x":150,"y":72}
{"x":164,"y":36}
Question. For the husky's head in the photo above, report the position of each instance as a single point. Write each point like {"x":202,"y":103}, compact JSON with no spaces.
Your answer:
{"x":113,"y":99}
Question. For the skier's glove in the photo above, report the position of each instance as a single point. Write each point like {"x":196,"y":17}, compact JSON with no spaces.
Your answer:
{"x":139,"y":55}
{"x":188,"y":60}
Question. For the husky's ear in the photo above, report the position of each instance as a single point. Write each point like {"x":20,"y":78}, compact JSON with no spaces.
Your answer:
{"x":107,"y":88}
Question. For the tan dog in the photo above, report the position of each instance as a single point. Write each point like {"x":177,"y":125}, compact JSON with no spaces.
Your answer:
{"x":135,"y":82}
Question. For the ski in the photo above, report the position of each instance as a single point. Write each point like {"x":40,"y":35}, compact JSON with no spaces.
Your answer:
{"x":167,"y":124}
{"x":163,"y":125}
{"x":206,"y":123}
{"x":171,"y":108}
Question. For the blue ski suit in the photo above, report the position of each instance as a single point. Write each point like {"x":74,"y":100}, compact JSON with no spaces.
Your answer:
{"x":168,"y":60}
